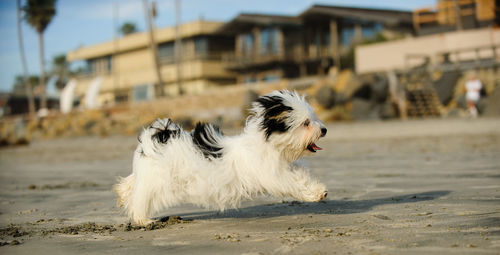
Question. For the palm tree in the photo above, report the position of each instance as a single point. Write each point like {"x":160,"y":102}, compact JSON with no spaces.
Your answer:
{"x":60,"y":67}
{"x":128,"y":28}
{"x":39,"y":14}
{"x":21,"y":82}
{"x":25,"y":78}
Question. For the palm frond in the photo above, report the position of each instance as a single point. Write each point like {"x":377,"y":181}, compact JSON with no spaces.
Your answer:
{"x":39,"y":13}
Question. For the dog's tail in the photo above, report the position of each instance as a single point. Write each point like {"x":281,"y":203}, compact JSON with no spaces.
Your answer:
{"x":124,"y":190}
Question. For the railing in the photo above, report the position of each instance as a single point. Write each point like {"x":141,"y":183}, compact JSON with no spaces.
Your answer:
{"x":233,"y":59}
{"x":469,"y":58}
{"x":164,"y":60}
{"x":170,"y":59}
{"x":90,"y":75}
{"x":295,"y":54}
{"x":458,"y":59}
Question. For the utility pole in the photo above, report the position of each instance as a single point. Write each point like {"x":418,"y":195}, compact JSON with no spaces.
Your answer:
{"x":178,"y":46}
{"x":153,"y":47}
{"x":114,"y":65}
{"x":27,"y":85}
{"x":458,"y":15}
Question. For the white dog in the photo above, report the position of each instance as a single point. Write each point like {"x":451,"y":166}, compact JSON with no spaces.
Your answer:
{"x":206,"y":168}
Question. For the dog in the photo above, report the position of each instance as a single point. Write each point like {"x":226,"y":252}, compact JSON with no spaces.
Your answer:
{"x":206,"y":168}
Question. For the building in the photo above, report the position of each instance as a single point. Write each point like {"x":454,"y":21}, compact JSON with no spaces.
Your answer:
{"x":270,"y":47}
{"x":452,"y":15}
{"x":249,"y":48}
{"x":451,"y":32}
{"x":124,"y":68}
{"x":473,"y":46}
{"x":264,"y":47}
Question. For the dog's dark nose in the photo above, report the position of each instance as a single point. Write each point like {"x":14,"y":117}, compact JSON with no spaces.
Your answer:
{"x":323,"y":132}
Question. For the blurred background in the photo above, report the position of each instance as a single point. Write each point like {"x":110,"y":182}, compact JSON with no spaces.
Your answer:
{"x":74,"y":68}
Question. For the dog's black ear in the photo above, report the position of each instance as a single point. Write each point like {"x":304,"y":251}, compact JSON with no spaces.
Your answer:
{"x":206,"y":137}
{"x":274,"y":115}
{"x":164,"y":130}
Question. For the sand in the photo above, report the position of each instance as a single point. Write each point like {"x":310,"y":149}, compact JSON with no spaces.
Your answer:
{"x":414,"y":187}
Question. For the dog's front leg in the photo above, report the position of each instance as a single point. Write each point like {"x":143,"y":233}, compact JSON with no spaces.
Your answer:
{"x":307,"y":189}
{"x":297,"y":183}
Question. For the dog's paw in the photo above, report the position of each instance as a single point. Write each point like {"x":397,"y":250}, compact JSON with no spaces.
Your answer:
{"x":323,"y":195}
{"x":143,"y":221}
{"x":316,"y":193}
{"x":318,"y":196}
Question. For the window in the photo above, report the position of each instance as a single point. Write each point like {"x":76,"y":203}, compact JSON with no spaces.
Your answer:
{"x":368,"y":30}
{"x":371,"y":30}
{"x":246,"y":44}
{"x":201,"y":46}
{"x":166,"y":52}
{"x":109,"y":64}
{"x":99,"y":65}
{"x":249,"y":79}
{"x":121,"y":96}
{"x":268,"y":41}
{"x":347,"y":36}
{"x":271,"y":77}
{"x":143,"y":92}
{"x":326,"y":37}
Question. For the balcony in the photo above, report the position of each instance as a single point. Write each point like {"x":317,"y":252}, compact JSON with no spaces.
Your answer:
{"x":190,"y":56}
{"x":88,"y":75}
{"x":295,"y":55}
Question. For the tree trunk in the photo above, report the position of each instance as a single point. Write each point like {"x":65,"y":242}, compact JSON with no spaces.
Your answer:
{"x":153,"y":47}
{"x":43,"y":96}
{"x":27,"y":85}
{"x":178,"y":47}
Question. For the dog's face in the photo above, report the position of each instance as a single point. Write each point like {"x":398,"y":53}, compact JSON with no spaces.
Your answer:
{"x":288,"y":122}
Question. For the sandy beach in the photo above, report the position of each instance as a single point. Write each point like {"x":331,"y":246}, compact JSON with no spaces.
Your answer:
{"x":412,"y":187}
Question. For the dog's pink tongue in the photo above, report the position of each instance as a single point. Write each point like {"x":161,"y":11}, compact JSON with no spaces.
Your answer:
{"x":316,"y":147}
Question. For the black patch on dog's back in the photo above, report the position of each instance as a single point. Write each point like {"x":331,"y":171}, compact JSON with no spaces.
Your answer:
{"x":207,"y":138}
{"x":165,"y":131}
{"x":274,"y":120}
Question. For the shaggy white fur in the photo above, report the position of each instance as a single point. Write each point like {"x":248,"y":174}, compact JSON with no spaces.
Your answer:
{"x":206,"y":168}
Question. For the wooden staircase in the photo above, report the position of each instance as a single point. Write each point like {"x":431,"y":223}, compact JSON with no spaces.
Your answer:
{"x":422,"y":99}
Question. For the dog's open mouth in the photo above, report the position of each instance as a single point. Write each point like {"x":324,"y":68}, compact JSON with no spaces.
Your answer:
{"x":313,"y":147}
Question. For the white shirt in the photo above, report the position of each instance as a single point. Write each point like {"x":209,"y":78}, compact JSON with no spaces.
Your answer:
{"x":473,"y":88}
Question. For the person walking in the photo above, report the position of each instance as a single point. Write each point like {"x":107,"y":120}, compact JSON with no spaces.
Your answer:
{"x":473,"y":94}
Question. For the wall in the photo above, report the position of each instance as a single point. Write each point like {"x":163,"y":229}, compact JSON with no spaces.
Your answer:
{"x":391,"y":55}
{"x":140,"y":40}
{"x":133,"y":65}
{"x":136,"y":68}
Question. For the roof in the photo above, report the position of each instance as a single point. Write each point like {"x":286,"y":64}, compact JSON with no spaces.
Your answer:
{"x":388,"y":17}
{"x":246,"y":21}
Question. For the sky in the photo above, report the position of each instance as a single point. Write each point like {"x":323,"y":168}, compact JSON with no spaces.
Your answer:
{"x":86,"y":22}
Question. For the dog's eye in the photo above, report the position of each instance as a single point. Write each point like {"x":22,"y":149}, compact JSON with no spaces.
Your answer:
{"x":306,"y":123}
